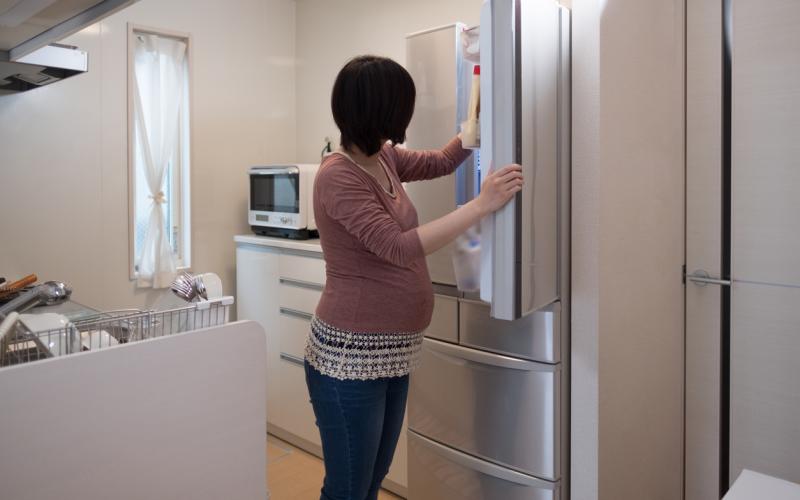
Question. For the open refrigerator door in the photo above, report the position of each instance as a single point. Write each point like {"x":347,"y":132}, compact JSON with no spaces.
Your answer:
{"x":498,"y":147}
{"x":524,"y":82}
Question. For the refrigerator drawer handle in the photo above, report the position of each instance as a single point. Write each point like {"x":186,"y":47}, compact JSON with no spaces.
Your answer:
{"x":478,"y":465}
{"x":486,"y":358}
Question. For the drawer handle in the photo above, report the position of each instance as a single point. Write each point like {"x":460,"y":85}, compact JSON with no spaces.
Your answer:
{"x":297,"y":314}
{"x":292,"y":359}
{"x":301,"y":284}
{"x":489,"y":359}
{"x":480,"y":466}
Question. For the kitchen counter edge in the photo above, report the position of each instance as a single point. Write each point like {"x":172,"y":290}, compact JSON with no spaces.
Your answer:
{"x":311,"y":245}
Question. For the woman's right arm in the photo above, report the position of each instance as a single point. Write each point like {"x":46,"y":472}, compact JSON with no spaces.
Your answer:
{"x":497,"y":189}
{"x":352,"y":204}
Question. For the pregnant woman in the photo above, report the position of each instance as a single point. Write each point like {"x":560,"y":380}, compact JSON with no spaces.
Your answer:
{"x":378,"y":299}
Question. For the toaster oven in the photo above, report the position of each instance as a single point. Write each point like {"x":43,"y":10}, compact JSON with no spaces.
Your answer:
{"x":281,"y":201}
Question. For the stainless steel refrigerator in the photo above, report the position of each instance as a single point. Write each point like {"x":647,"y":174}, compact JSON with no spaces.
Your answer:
{"x":488,"y":408}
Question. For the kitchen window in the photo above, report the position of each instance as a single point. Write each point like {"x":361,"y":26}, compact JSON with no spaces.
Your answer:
{"x":159,"y":136}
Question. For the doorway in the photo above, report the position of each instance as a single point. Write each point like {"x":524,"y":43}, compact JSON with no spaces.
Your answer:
{"x":742,"y":242}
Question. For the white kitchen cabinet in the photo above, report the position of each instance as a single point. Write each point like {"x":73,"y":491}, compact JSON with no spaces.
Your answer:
{"x":278,"y":284}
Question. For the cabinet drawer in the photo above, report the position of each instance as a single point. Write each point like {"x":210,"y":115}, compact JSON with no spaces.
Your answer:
{"x":298,"y":297}
{"x":444,"y":322}
{"x":437,"y":472}
{"x":308,"y":269}
{"x":292,"y":410}
{"x":293,"y":333}
{"x":499,"y":408}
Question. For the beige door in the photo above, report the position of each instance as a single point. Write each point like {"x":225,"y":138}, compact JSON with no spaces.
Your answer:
{"x":743,"y":242}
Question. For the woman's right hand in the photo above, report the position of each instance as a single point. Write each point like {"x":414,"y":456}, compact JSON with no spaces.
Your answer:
{"x":499,"y":187}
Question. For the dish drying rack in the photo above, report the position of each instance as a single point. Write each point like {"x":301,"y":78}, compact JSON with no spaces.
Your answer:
{"x":110,"y":328}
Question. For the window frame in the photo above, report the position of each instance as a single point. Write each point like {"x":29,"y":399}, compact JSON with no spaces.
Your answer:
{"x":184,"y":261}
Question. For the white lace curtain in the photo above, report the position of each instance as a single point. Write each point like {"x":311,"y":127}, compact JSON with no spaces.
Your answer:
{"x":158,"y":97}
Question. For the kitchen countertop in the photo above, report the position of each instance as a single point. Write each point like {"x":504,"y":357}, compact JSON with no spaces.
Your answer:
{"x":311,"y":245}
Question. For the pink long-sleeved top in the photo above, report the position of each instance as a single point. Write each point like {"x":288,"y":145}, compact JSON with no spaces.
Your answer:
{"x":377,"y":278}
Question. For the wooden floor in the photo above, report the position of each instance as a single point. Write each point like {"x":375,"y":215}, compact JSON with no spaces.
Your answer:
{"x":293,"y":474}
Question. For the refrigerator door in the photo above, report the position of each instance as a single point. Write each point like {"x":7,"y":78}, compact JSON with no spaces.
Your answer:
{"x":525,"y":120}
{"x":441,"y":76}
{"x":498,"y":408}
{"x":437,"y":472}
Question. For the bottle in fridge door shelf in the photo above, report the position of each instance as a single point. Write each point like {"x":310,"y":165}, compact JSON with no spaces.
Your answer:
{"x":470,"y":129}
{"x":467,"y":261}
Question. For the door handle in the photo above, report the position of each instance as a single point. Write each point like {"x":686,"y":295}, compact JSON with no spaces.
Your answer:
{"x":702,"y":278}
{"x":293,"y":359}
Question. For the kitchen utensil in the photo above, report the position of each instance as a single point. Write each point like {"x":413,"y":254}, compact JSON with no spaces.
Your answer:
{"x":200,"y":287}
{"x":20,"y":283}
{"x":49,"y":293}
{"x":11,"y":288}
{"x":188,"y":287}
{"x":54,"y":292}
{"x":183,"y":286}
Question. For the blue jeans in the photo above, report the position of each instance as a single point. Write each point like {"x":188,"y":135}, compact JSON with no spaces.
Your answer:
{"x":359,"y":422}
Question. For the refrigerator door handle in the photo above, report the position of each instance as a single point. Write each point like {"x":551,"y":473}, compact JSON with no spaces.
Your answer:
{"x":461,"y":354}
{"x":477,"y":465}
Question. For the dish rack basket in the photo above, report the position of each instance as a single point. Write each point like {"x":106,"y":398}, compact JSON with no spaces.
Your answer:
{"x":111,"y":328}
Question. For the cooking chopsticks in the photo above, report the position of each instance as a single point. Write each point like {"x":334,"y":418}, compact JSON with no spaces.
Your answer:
{"x":11,"y":288}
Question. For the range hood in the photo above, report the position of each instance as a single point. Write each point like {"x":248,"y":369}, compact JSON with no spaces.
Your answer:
{"x":30,"y":56}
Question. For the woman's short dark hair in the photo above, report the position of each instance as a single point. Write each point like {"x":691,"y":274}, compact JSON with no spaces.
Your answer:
{"x":372,"y":100}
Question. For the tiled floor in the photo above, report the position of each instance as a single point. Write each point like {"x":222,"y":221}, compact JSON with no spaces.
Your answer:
{"x":293,"y":474}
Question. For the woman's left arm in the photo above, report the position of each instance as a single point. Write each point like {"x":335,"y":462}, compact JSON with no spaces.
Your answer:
{"x":423,"y":165}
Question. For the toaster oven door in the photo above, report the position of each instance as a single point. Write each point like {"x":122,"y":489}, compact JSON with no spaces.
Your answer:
{"x":275,"y":190}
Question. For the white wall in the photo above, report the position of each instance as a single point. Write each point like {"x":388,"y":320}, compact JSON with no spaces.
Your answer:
{"x":628,"y":244}
{"x":63,"y":148}
{"x":331,"y":32}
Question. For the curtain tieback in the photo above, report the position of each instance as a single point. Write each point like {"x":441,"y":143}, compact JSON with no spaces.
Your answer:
{"x":159,"y":198}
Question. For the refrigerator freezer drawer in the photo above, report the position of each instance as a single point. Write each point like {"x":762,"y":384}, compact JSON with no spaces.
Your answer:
{"x":444,"y":322}
{"x":437,"y":472}
{"x":503,"y":409}
{"x":536,"y":336}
